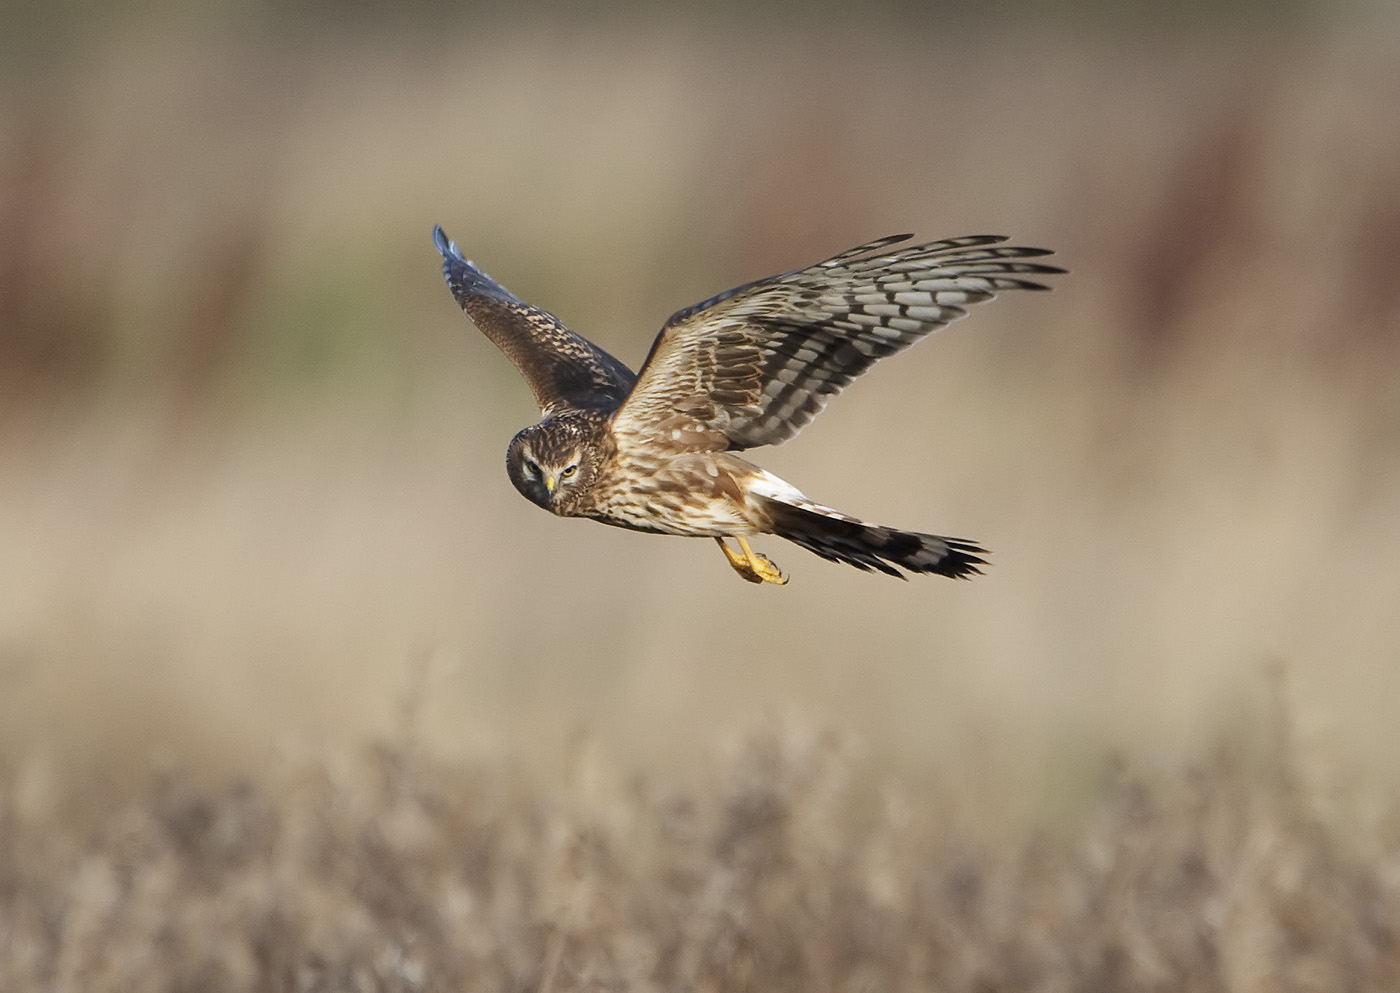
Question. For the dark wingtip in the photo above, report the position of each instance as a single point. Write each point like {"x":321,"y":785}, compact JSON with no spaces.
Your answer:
{"x":963,"y":559}
{"x":448,"y":250}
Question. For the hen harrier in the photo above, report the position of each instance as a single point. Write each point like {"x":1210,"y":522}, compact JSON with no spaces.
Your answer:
{"x":654,"y":451}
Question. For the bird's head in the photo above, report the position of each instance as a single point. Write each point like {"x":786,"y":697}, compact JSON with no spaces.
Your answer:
{"x":552,"y":463}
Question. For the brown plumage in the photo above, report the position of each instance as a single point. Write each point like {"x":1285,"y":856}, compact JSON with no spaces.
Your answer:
{"x":752,"y":366}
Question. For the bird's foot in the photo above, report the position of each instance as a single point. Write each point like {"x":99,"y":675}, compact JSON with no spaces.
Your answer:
{"x":753,"y":566}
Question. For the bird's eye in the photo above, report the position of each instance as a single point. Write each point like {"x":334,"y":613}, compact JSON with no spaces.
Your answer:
{"x":569,"y":471}
{"x":532,"y":467}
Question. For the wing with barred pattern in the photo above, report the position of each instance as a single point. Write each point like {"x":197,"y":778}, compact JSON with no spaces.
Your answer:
{"x":563,"y":369}
{"x":752,"y":366}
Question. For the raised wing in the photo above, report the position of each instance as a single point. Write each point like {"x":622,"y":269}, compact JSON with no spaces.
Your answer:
{"x":563,"y":369}
{"x":755,"y":364}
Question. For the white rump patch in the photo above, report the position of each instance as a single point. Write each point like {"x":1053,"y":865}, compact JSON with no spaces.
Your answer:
{"x":765,"y":484}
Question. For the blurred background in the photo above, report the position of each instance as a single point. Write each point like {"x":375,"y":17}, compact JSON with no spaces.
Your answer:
{"x":252,"y":487}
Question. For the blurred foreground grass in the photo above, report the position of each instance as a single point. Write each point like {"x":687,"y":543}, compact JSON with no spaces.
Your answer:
{"x":793,"y":865}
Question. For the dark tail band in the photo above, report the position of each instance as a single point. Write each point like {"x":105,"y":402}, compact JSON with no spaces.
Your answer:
{"x":871,"y":546}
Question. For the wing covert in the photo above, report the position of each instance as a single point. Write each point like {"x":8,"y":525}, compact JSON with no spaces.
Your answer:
{"x":753,"y":365}
{"x":563,"y":369}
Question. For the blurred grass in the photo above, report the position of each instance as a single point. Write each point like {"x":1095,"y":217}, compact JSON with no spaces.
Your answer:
{"x":791,"y":865}
{"x":251,"y":454}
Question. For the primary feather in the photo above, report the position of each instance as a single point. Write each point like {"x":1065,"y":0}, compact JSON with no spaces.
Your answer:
{"x":753,"y":366}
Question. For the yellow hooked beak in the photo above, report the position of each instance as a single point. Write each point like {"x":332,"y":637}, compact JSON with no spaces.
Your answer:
{"x":550,"y":481}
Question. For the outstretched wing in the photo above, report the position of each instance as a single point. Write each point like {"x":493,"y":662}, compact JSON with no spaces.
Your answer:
{"x":563,"y":369}
{"x":755,"y":364}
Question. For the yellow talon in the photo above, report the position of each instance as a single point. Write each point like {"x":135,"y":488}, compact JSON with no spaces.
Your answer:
{"x":753,"y":566}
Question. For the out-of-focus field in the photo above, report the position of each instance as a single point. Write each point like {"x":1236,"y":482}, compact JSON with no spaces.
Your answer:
{"x":253,"y":510}
{"x":791,"y":868}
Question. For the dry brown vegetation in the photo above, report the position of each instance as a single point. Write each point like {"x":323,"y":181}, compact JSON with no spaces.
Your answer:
{"x":250,"y":477}
{"x":792,"y":868}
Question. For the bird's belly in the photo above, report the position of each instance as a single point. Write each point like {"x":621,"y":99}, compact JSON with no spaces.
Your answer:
{"x":691,"y":496}
{"x":701,"y":522}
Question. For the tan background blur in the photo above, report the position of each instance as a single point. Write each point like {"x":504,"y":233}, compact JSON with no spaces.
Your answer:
{"x":251,"y":454}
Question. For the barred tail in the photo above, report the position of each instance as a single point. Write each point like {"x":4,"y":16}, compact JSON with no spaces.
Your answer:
{"x":870,"y":546}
